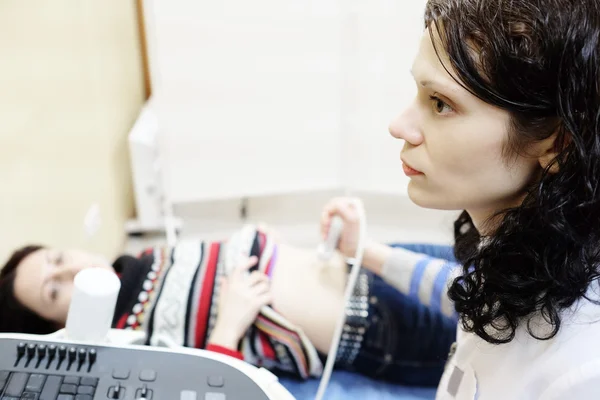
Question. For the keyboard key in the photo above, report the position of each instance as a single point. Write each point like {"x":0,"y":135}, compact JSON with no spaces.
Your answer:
{"x":68,"y":389}
{"x":83,"y":397}
{"x":148,"y":375}
{"x":71,"y":380}
{"x":86,"y":390}
{"x":51,"y":388}
{"x":35,"y":383}
{"x":120,"y":373}
{"x":16,"y":384}
{"x":65,"y":397}
{"x":10,"y":398}
{"x":89,"y":381}
{"x":188,"y":395}
{"x":30,"y":396}
{"x":3,"y":379}
{"x":216,"y":381}
{"x":214,"y":396}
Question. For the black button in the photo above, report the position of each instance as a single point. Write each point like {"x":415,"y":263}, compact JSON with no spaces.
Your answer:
{"x":148,"y":375}
{"x":216,"y":381}
{"x":116,"y":392}
{"x":50,"y":390}
{"x":68,"y":389}
{"x":52,"y":350}
{"x":35,"y":383}
{"x":72,"y":353}
{"x":41,"y":351}
{"x":30,"y":396}
{"x":86,"y":390}
{"x":65,"y":397}
{"x":71,"y":380}
{"x":31,"y":350}
{"x":62,"y":352}
{"x":83,"y":397}
{"x":92,"y":354}
{"x":16,"y":384}
{"x":89,"y":381}
{"x":120,"y":373}
{"x":144,"y":393}
{"x":20,"y":349}
{"x":82,"y":354}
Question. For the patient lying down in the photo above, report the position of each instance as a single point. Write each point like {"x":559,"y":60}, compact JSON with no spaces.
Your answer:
{"x":252,"y":297}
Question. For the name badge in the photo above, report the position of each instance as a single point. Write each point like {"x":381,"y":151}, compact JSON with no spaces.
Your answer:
{"x":454,"y":382}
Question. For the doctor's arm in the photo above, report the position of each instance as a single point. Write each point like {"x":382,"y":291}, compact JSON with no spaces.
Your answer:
{"x":414,"y":274}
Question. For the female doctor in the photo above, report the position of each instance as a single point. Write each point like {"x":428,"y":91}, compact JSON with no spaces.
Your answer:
{"x":506,"y":126}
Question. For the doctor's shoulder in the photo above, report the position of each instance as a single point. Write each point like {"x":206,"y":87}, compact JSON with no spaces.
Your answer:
{"x":564,"y":366}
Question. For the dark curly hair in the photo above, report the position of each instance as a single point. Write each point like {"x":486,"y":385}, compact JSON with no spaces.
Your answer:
{"x":14,"y":316}
{"x":540,"y":61}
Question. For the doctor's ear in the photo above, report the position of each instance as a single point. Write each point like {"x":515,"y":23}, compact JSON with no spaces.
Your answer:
{"x":550,"y":149}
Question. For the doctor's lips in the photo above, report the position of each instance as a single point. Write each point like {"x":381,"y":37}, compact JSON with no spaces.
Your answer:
{"x":409,"y":171}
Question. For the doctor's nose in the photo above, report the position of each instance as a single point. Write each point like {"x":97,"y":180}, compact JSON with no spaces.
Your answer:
{"x":405,"y":126}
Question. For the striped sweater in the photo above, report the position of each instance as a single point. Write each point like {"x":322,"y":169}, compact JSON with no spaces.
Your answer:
{"x":174,"y":296}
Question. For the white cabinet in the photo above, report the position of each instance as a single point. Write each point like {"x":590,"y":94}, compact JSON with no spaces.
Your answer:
{"x":279,"y":96}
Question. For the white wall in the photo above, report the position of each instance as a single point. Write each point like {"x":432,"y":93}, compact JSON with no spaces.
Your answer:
{"x":248,"y":94}
{"x":278,"y":96}
{"x":382,"y":36}
{"x":285,"y":103}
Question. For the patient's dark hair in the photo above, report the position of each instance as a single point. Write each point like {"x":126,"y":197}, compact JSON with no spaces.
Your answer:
{"x":540,"y":61}
{"x":14,"y":317}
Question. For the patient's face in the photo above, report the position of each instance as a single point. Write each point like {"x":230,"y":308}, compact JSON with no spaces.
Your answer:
{"x":44,"y":280}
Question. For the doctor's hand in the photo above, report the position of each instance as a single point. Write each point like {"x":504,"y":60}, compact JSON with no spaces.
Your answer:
{"x":346,"y":208}
{"x":241,"y":297}
{"x":375,"y":254}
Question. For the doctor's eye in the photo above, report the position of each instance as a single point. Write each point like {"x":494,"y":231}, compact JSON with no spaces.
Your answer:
{"x":440,"y":106}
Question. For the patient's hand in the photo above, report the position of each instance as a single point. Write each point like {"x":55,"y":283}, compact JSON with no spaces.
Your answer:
{"x":240,"y":300}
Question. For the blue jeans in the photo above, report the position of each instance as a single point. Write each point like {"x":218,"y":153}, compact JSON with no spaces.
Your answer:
{"x":406,"y":342}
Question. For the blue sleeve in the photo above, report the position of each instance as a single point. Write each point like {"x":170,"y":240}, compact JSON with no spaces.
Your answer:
{"x":421,"y":276}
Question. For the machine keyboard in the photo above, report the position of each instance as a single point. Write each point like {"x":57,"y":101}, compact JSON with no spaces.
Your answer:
{"x":40,"y":386}
{"x":46,"y":370}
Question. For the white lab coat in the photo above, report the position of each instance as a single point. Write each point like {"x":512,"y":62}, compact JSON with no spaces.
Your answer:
{"x":566,"y":367}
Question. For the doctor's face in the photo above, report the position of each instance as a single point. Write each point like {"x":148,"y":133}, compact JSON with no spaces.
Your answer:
{"x":454,"y":150}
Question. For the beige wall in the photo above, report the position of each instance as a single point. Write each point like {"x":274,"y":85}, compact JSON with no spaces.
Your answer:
{"x":71,"y":85}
